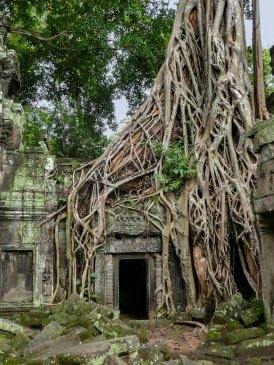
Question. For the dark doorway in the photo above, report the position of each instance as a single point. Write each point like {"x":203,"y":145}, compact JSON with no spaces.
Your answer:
{"x":133,"y":288}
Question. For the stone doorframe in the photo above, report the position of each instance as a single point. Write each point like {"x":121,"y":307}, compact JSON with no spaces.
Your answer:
{"x":150,"y":279}
{"x":35,"y":285}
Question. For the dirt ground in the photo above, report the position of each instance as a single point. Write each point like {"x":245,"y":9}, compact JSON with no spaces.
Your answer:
{"x":181,"y":339}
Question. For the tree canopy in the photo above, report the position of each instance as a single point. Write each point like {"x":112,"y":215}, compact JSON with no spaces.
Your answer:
{"x":78,"y":56}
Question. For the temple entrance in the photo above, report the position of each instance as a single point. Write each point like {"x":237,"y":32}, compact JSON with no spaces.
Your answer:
{"x":134,"y":285}
{"x":132,"y":288}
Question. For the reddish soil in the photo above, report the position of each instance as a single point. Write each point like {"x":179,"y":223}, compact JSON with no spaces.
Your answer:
{"x":180,"y":339}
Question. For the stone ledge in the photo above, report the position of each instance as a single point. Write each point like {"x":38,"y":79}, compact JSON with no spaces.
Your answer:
{"x":264,"y":205}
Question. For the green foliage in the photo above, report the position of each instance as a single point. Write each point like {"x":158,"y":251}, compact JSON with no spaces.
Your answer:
{"x":268,"y":77}
{"x":78,"y":56}
{"x":65,"y":133}
{"x":75,"y":164}
{"x":177,"y":167}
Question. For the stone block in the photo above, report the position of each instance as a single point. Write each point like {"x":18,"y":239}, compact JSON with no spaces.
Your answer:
{"x":50,"y":332}
{"x":253,"y":315}
{"x":260,"y":347}
{"x":243,"y":334}
{"x":226,"y":352}
{"x":94,"y":352}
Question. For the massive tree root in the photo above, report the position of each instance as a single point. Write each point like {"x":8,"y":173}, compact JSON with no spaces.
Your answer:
{"x":201,"y":98}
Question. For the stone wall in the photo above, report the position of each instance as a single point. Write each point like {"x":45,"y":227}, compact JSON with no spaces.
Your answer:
{"x":27,"y":197}
{"x":263,"y":134}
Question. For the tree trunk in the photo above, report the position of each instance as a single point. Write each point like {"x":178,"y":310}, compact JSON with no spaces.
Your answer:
{"x":200,"y":100}
{"x":259,"y":87}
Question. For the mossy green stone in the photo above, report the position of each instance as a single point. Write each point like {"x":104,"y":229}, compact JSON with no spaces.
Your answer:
{"x":262,"y":347}
{"x":243,"y":334}
{"x":215,"y":349}
{"x":253,"y":315}
{"x":215,"y":332}
{"x":20,"y":342}
{"x":232,"y":308}
{"x":233,"y":324}
{"x":214,"y":335}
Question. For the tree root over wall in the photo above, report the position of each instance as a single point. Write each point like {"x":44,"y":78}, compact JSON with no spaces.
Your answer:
{"x":202,"y":96}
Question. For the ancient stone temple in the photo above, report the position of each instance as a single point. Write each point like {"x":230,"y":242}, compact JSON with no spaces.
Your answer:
{"x":129,"y":267}
{"x":27,"y":196}
{"x":263,"y":135}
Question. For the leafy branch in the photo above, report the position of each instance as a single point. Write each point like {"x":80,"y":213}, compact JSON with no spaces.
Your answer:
{"x":177,"y":168}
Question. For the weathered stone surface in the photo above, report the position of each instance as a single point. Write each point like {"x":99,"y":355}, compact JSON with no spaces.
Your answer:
{"x":198,"y":314}
{"x":216,"y":332}
{"x":260,"y":347}
{"x":263,"y":132}
{"x":5,"y":344}
{"x":50,"y":332}
{"x":97,"y":352}
{"x":233,"y":324}
{"x":133,"y":244}
{"x":232,"y":308}
{"x":226,"y":352}
{"x":150,"y":354}
{"x":46,"y":349}
{"x":20,"y":342}
{"x":253,"y":315}
{"x":115,"y":360}
{"x":78,"y":331}
{"x":243,"y":334}
{"x":9,"y":326}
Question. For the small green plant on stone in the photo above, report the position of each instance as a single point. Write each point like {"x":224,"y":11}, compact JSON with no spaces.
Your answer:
{"x":177,"y":167}
{"x":59,"y":179}
{"x":75,"y":164}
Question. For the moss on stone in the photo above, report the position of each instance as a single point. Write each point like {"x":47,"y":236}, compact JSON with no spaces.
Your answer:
{"x":226,"y":352}
{"x":20,"y":342}
{"x":216,"y":332}
{"x":233,"y":324}
{"x":254,"y":314}
{"x":243,"y":334}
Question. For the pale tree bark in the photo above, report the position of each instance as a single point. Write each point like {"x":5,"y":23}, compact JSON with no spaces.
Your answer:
{"x":259,"y":87}
{"x":201,"y":100}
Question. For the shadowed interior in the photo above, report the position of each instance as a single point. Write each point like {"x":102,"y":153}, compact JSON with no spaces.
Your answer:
{"x":132,"y":288}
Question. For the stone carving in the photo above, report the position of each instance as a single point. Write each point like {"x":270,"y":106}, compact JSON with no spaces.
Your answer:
{"x":47,"y":280}
{"x":133,"y":244}
{"x":130,"y":223}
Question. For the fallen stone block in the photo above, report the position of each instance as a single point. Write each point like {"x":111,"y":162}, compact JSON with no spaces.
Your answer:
{"x":226,"y":352}
{"x":115,"y":360}
{"x":253,"y":315}
{"x":198,"y":314}
{"x":50,"y":332}
{"x":232,"y":308}
{"x":11,"y":327}
{"x":96,"y":353}
{"x":243,"y":334}
{"x":216,"y":332}
{"x":153,"y":353}
{"x":260,"y":347}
